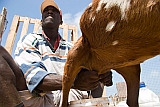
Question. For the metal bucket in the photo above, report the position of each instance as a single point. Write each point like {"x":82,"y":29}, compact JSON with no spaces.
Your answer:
{"x":94,"y":102}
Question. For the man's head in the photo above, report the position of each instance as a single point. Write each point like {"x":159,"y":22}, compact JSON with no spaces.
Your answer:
{"x":47,"y":3}
{"x":51,"y":14}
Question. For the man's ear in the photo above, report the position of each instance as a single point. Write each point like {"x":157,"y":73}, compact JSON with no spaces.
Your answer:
{"x":41,"y":23}
{"x":61,"y":17}
{"x":61,"y":22}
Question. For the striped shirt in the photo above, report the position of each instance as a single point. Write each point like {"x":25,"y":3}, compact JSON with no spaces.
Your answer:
{"x":37,"y":58}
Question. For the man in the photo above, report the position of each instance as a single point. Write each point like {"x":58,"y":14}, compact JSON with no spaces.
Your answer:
{"x":41,"y":58}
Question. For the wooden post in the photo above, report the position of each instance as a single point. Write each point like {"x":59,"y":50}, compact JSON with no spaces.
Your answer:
{"x":12,"y":34}
{"x":37,"y":24}
{"x":2,"y":21}
{"x":65,"y":31}
{"x":74,"y":33}
{"x":104,"y":92}
{"x":26,"y":21}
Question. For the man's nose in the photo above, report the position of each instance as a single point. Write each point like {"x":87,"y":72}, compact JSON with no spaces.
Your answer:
{"x":50,"y":11}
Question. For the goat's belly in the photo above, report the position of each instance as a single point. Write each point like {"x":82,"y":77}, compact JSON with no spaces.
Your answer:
{"x":121,"y":32}
{"x":117,"y":57}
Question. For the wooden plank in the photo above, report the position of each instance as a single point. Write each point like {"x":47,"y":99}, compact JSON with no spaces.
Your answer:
{"x":70,"y":27}
{"x":26,"y":21}
{"x":121,"y":89}
{"x":74,"y":36}
{"x":93,"y":102}
{"x":65,"y":32}
{"x":37,"y":25}
{"x":12,"y":34}
{"x":33,"y":21}
{"x":2,"y":21}
{"x":21,"y":19}
{"x":74,"y":33}
{"x":61,"y":26}
{"x":104,"y":92}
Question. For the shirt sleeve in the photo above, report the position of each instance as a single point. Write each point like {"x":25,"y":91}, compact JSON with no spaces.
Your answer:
{"x":28,"y":57}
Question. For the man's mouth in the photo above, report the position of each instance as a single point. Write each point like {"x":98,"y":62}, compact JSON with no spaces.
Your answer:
{"x":49,"y":17}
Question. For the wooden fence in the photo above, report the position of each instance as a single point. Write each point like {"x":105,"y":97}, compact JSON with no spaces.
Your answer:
{"x":37,"y":24}
{"x":2,"y":21}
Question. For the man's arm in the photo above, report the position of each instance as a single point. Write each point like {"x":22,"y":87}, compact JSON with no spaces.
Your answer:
{"x":51,"y":82}
{"x":93,"y":82}
{"x":54,"y":82}
{"x":85,"y":80}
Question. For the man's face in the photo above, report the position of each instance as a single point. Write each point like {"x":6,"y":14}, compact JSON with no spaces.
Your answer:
{"x":51,"y":17}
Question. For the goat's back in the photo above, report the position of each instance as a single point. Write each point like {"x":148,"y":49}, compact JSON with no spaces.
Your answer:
{"x":128,"y":28}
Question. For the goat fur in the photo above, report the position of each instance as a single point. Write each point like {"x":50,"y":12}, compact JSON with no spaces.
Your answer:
{"x":116,"y":34}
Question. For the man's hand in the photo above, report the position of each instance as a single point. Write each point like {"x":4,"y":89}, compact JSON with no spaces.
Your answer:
{"x":89,"y":80}
{"x":86,"y":80}
{"x":106,"y":78}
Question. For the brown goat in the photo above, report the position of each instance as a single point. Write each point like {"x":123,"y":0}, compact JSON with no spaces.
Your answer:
{"x":11,"y":80}
{"x":119,"y":35}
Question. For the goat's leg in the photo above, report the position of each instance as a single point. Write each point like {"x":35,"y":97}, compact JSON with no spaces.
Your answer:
{"x":131,"y":75}
{"x":76,"y":59}
{"x":72,"y":68}
{"x":68,"y":79}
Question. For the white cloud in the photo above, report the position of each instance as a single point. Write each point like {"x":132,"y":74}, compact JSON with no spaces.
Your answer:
{"x":73,"y":20}
{"x":154,"y":74}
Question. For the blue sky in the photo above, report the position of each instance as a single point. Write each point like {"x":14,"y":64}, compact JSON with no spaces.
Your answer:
{"x":72,"y":10}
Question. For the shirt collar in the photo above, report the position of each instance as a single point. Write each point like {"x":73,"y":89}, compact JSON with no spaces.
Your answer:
{"x":56,"y":44}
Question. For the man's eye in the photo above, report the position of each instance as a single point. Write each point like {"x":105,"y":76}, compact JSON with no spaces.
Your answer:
{"x":45,"y":10}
